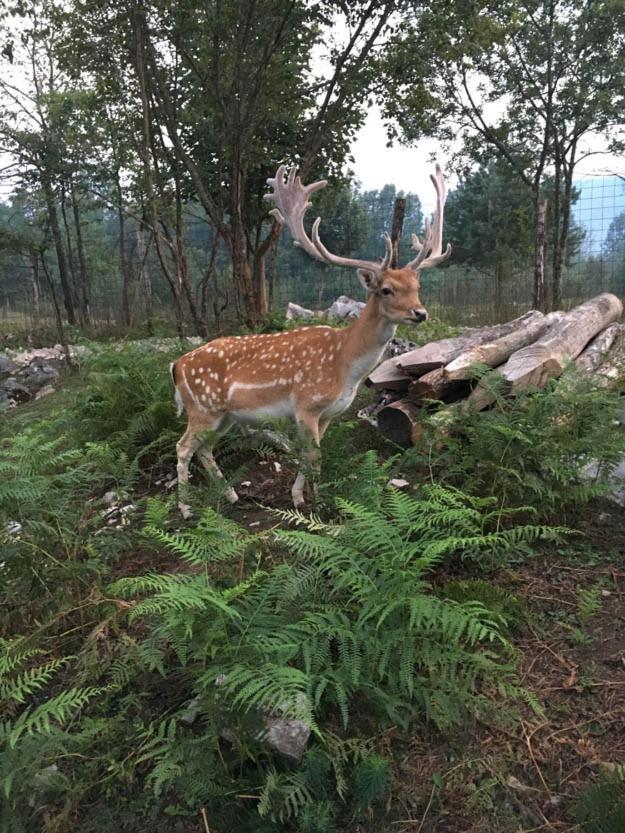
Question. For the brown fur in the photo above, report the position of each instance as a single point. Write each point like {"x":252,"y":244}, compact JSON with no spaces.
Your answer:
{"x":310,"y":373}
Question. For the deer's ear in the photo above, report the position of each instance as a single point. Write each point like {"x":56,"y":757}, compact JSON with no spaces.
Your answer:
{"x":368,"y":279}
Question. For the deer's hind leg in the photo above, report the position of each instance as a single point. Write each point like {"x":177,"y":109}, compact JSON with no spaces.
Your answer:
{"x":205,"y":453}
{"x":194,"y":440}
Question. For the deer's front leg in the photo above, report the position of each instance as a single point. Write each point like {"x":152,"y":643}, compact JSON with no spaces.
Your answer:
{"x":311,"y":430}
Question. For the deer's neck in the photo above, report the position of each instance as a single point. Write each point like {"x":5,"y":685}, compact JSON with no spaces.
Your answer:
{"x":366,"y":339}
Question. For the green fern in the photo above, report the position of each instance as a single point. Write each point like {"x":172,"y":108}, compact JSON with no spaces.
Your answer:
{"x":354,"y":613}
{"x":601,"y":807}
{"x":529,"y":450}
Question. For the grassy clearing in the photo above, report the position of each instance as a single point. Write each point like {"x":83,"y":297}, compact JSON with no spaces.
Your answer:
{"x":456,"y":650}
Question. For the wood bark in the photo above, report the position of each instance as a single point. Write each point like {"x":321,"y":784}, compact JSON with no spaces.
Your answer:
{"x":441,"y":353}
{"x":61,"y":254}
{"x":57,"y":312}
{"x":399,"y":211}
{"x":388,"y":376}
{"x":207,"y":278}
{"x":70,"y":258}
{"x":612,"y":370}
{"x":594,"y":354}
{"x":532,"y":366}
{"x":34,"y":278}
{"x":83,"y":273}
{"x":145,"y":144}
{"x":144,"y":277}
{"x":540,"y":209}
{"x":400,"y":422}
{"x":436,"y":386}
{"x":564,"y":225}
{"x":493,"y":353}
{"x":123,"y":260}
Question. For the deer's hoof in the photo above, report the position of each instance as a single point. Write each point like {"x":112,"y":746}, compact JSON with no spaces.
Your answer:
{"x":231,"y":495}
{"x":185,"y":511}
{"x":298,"y":500}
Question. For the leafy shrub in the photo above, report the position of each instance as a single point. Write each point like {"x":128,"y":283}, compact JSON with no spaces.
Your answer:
{"x":431,"y":330}
{"x":352,"y":618}
{"x":128,"y":400}
{"x":529,"y":450}
{"x":371,"y":781}
{"x":338,"y":622}
{"x":504,"y":604}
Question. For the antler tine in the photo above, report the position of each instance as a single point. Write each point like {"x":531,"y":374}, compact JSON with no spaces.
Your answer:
{"x":337,"y":260}
{"x":291,"y":200}
{"x":430,"y":250}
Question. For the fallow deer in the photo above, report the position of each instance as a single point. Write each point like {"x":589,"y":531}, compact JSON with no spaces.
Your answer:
{"x":310,"y":374}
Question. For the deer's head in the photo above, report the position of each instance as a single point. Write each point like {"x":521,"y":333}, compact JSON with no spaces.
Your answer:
{"x":397,"y":290}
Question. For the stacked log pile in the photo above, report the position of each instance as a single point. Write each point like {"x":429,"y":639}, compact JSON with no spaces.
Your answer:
{"x":524,"y":354}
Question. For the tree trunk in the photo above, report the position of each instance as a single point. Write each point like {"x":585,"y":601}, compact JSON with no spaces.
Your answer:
{"x":124,"y":268}
{"x":61,"y":254}
{"x":540,"y":212}
{"x":57,"y":313}
{"x":241,"y":270}
{"x":563,"y":240}
{"x":181,"y":262}
{"x":208,"y":276}
{"x":396,"y":230}
{"x":144,"y":152}
{"x":499,"y":276}
{"x":273,"y":261}
{"x":144,"y":278}
{"x":34,"y":277}
{"x":82,"y":262}
{"x":259,"y":275}
{"x":70,"y":257}
{"x":610,"y":372}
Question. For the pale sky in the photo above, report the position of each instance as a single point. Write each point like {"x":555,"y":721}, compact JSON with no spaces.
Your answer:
{"x":408,"y":168}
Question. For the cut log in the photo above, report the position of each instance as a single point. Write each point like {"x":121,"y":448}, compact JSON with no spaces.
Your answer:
{"x":388,"y":376}
{"x":494,"y":352}
{"x":435,"y":385}
{"x":532,"y":366}
{"x":592,"y":357}
{"x":400,"y":423}
{"x":611,"y":372}
{"x":441,"y":353}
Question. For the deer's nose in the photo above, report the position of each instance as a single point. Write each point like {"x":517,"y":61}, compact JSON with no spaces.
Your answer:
{"x":419,"y":315}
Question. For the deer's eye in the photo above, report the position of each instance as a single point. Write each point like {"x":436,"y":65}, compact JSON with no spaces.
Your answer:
{"x":386,"y":290}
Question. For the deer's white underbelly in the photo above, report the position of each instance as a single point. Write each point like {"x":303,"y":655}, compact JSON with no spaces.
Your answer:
{"x":277,"y":410}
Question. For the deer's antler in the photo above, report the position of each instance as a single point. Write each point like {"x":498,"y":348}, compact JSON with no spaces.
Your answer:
{"x":430,"y":250}
{"x":290,"y":196}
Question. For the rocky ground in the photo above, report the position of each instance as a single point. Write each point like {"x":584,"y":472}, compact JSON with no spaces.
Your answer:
{"x":34,"y":373}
